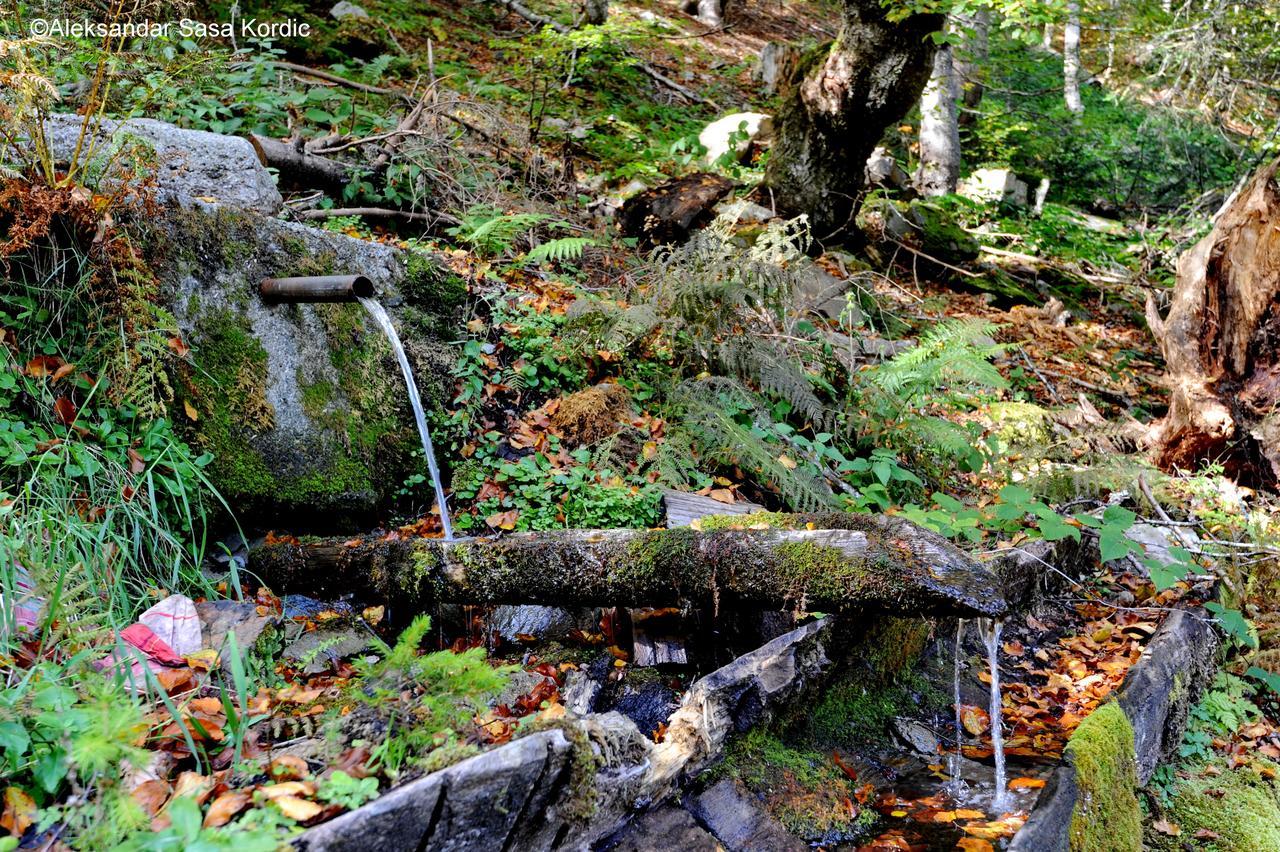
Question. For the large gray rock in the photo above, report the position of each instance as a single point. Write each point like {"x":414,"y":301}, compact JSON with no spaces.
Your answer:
{"x":998,"y":186}
{"x":189,"y":164}
{"x":303,"y":406}
{"x":524,"y":795}
{"x":666,"y":828}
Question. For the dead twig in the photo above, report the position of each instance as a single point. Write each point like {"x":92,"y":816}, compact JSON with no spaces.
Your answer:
{"x":379,"y":213}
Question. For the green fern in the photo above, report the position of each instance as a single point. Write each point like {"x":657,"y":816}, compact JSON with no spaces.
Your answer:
{"x":559,"y":250}
{"x":705,"y":407}
{"x":953,"y":357}
{"x":491,"y":233}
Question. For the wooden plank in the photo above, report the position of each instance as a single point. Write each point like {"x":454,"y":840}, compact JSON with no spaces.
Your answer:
{"x":683,"y":507}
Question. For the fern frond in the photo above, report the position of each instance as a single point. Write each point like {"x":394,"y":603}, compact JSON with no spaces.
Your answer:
{"x":707,"y":406}
{"x":560,"y":250}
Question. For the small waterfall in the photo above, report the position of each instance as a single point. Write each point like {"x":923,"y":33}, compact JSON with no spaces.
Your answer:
{"x":955,"y":770}
{"x":990,"y":629}
{"x":380,"y":316}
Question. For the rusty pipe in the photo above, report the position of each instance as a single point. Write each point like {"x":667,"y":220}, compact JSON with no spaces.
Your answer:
{"x":316,"y":288}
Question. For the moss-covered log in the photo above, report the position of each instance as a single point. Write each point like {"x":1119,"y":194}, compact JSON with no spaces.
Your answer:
{"x":817,"y":563}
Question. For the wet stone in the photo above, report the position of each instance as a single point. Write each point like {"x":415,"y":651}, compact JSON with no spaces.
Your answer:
{"x":665,"y":828}
{"x":648,"y":705}
{"x":739,"y":823}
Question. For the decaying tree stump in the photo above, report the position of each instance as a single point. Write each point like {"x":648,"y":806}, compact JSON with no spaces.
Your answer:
{"x":1221,"y":341}
{"x":843,"y":561}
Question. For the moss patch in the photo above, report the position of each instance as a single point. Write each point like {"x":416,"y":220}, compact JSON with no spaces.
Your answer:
{"x":1107,"y":815}
{"x":801,"y":788}
{"x":1240,"y":806}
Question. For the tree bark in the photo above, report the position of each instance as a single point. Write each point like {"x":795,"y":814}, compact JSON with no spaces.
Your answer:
{"x":1071,"y":58}
{"x":596,"y":11}
{"x":844,"y":99}
{"x":969,"y":59}
{"x":861,"y":562}
{"x":1221,"y":342}
{"x":939,"y":129}
{"x":298,"y":166}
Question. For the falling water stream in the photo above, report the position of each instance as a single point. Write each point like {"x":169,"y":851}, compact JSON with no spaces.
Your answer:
{"x":956,"y":770}
{"x":380,"y":316}
{"x":989,"y":630}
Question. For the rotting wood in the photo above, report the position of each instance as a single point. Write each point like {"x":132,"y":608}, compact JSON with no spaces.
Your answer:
{"x":1221,"y":341}
{"x":826,"y":563}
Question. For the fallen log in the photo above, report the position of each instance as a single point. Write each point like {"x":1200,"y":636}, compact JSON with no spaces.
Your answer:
{"x":1221,"y":342}
{"x":299,"y":166}
{"x":826,"y":563}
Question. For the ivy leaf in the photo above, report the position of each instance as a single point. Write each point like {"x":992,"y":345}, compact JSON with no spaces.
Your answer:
{"x":1113,"y":543}
{"x":1162,"y":575}
{"x":1118,"y":516}
{"x":1232,"y":621}
{"x":1054,"y":528}
{"x":1270,"y":679}
{"x":14,"y":739}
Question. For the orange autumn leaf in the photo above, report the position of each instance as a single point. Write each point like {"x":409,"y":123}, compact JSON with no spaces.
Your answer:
{"x":299,"y":810}
{"x":19,"y":811}
{"x":974,"y":844}
{"x":151,"y":796}
{"x":975,"y":720}
{"x":288,"y":767}
{"x":212,"y":706}
{"x":969,"y":813}
{"x":225,"y":807}
{"x":1026,"y":783}
{"x":503,"y":520}
{"x":65,"y":410}
{"x":61,"y":373}
{"x":179,"y":346}
{"x":288,"y":788}
{"x":42,"y":366}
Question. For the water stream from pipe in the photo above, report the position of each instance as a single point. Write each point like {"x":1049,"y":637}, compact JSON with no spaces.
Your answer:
{"x":955,"y":770}
{"x":989,"y":630}
{"x":383,"y":319}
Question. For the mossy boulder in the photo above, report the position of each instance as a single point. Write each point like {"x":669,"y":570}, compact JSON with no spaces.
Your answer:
{"x":302,"y":405}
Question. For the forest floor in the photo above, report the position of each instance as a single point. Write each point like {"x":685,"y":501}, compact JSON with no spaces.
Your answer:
{"x":532,"y":139}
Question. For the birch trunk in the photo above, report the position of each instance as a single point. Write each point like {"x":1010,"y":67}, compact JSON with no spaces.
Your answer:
{"x":939,"y":128}
{"x":1071,"y":58}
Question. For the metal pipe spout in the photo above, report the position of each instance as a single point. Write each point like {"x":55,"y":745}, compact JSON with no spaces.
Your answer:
{"x":317,"y":288}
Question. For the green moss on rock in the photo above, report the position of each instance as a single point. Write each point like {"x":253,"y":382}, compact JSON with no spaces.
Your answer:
{"x":1107,"y":817}
{"x":802,"y":788}
{"x":1240,"y":806}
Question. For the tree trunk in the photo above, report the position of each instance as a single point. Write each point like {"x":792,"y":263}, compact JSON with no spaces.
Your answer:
{"x":1071,"y":58}
{"x":848,"y":561}
{"x":1046,"y":38}
{"x":708,"y":12}
{"x":939,"y":131}
{"x":846,"y":96}
{"x":597,"y":11}
{"x":1221,"y":342}
{"x":969,"y":59}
